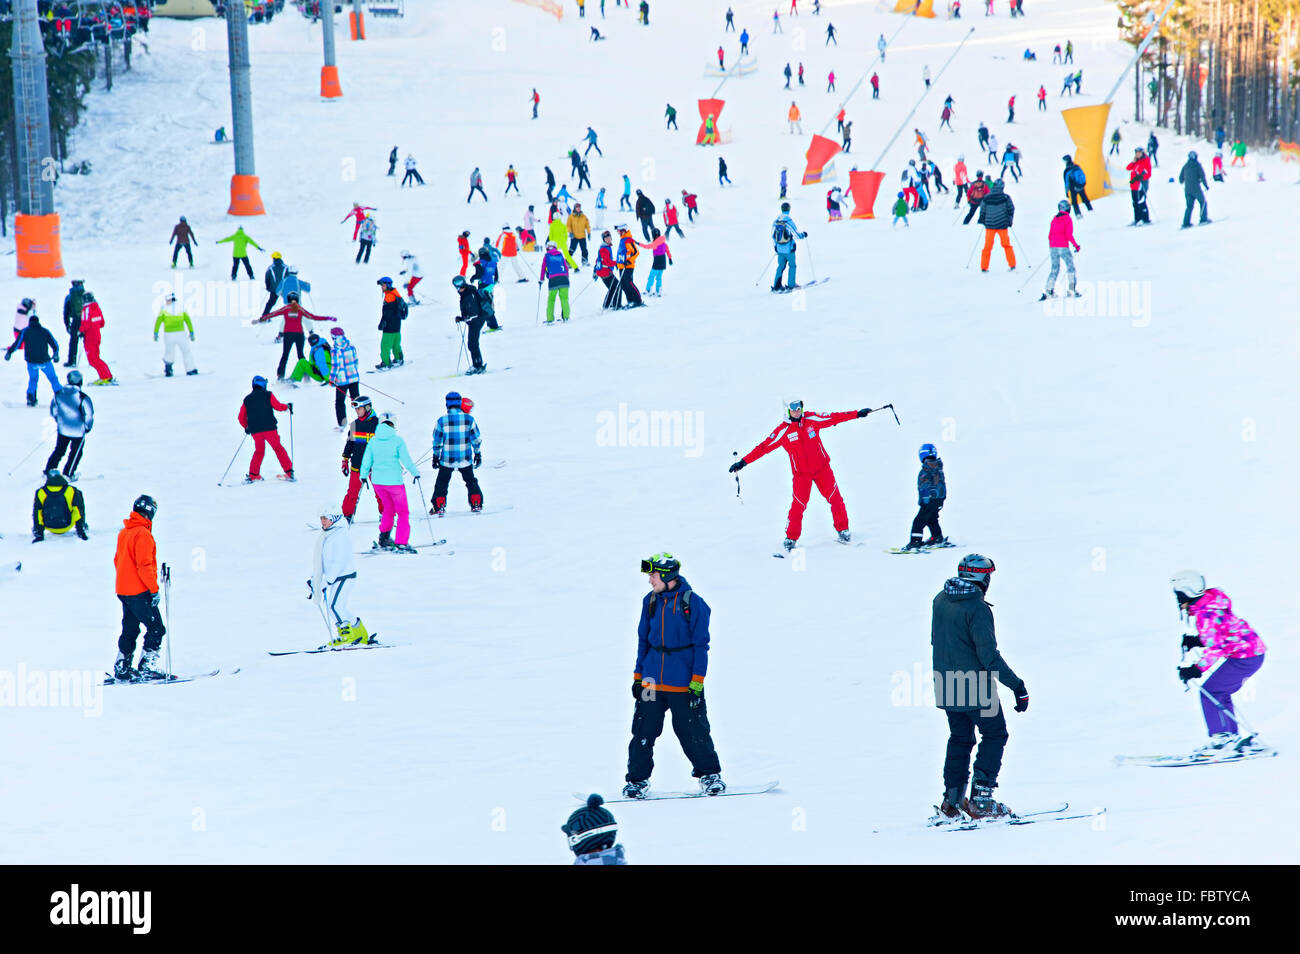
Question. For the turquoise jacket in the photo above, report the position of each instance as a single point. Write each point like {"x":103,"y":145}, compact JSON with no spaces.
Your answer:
{"x":386,"y":455}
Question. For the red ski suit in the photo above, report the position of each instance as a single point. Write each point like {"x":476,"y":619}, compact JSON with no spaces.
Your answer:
{"x":810,"y":463}
{"x":358,"y":214}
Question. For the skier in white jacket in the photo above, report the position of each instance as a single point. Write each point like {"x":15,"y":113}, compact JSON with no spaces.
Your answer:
{"x":334,"y":576}
{"x":411,"y":269}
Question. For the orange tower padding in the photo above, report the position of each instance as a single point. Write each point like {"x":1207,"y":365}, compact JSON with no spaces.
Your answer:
{"x":820,"y":153}
{"x":709,"y":107}
{"x":329,"y":83}
{"x":1087,"y":126}
{"x":357,"y":24}
{"x":1290,"y":150}
{"x":36,"y":245}
{"x":864,"y":186}
{"x":546,"y":6}
{"x":909,"y":6}
{"x":245,"y":196}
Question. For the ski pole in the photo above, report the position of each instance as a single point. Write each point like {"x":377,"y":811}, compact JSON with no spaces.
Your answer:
{"x":167,"y":609}
{"x":371,"y":387}
{"x":1031,"y":275}
{"x":891,"y":411}
{"x":320,"y":605}
{"x":765,"y":268}
{"x":811,"y":267}
{"x":74,"y":460}
{"x":537,"y":312}
{"x":428,"y":522}
{"x":25,"y":456}
{"x":970,"y":258}
{"x":737,"y":475}
{"x":290,"y":433}
{"x":1240,"y":723}
{"x":461,"y":353}
{"x":232,"y":460}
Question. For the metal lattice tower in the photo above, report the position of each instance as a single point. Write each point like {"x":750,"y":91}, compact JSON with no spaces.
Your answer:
{"x":31,"y":112}
{"x":241,"y":90}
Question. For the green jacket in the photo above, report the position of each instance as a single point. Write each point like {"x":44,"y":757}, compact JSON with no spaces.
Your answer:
{"x":242,"y":241}
{"x":1239,"y":149}
{"x":559,"y":234}
{"x":168,"y":322}
{"x":900,"y":207}
{"x":385,"y":456}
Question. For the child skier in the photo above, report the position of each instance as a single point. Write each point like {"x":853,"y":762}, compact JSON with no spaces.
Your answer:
{"x":383,"y":463}
{"x":411,"y":269}
{"x":1220,"y":636}
{"x":900,"y":211}
{"x":457,"y":445}
{"x":658,"y":246}
{"x":592,"y":833}
{"x":931,"y":491}
{"x":334,"y":577}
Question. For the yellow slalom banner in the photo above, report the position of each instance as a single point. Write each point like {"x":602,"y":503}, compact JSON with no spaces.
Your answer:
{"x":546,"y":6}
{"x":1087,"y":126}
{"x":923,"y":9}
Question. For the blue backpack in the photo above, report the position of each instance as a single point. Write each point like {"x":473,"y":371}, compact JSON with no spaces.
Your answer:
{"x":1078,"y":179}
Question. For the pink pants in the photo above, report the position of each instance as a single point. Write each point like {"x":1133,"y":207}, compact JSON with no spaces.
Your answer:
{"x":394,"y":505}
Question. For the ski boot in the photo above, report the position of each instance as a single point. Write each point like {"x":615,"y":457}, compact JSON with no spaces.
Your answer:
{"x":948,"y":811}
{"x":1220,"y":743}
{"x":439,"y":508}
{"x":31,"y":400}
{"x":148,"y":670}
{"x":191,"y":373}
{"x":844,"y":537}
{"x":636,"y":789}
{"x":913,"y":544}
{"x":712,"y":784}
{"x":252,"y":478}
{"x":1249,"y":744}
{"x":787,"y":544}
{"x":167,"y":370}
{"x":382,"y":366}
{"x":1046,"y":295}
{"x":981,"y":804}
{"x":386,"y":540}
{"x":399,"y":362}
{"x":122,"y":670}
{"x":935,"y":542}
{"x":350,"y":635}
{"x":287,"y":475}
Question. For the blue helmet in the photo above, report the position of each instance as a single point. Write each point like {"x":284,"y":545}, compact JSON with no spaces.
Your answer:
{"x":927,"y":450}
{"x":259,"y":381}
{"x":453,"y":399}
{"x":384,"y":281}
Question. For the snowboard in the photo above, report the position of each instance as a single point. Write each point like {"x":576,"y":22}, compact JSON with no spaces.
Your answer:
{"x":466,"y":374}
{"x":469,"y":513}
{"x":35,"y":407}
{"x":936,"y":546}
{"x":655,"y":796}
{"x":150,"y":374}
{"x":787,"y":290}
{"x":398,"y":367}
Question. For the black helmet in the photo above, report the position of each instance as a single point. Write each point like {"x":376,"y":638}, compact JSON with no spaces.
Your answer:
{"x":28,"y":304}
{"x":313,"y":338}
{"x":145,"y":506}
{"x":665,"y":564}
{"x":976,"y":568}
{"x":74,"y":378}
{"x":785,"y":206}
{"x":54,"y":478}
{"x":292,"y":297}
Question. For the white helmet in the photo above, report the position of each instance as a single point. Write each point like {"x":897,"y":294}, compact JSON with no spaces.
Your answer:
{"x":1189,"y":584}
{"x":406,"y":253}
{"x":330,"y":510}
{"x":387,"y":417}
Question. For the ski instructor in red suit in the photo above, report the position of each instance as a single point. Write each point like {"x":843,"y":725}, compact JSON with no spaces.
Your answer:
{"x":800,"y":437}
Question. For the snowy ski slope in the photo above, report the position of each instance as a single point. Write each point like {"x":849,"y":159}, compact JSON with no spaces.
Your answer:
{"x":1089,"y":456}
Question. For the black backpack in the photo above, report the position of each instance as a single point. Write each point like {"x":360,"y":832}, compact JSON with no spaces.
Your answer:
{"x":781,"y":233}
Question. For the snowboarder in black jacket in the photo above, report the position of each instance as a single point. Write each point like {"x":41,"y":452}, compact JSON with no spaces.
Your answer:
{"x":1192,"y":176}
{"x":967,"y":669}
{"x":72,"y":318}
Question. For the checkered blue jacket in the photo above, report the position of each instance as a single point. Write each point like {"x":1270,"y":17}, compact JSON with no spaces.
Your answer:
{"x":456,"y":439}
{"x":344,"y":368}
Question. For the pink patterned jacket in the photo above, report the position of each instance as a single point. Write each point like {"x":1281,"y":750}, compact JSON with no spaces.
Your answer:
{"x":1225,"y":636}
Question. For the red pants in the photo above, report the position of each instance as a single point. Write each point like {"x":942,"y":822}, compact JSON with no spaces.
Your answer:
{"x":803,"y":483}
{"x":411,"y":283}
{"x":91,"y":343}
{"x":354,"y":491}
{"x":464,"y":263}
{"x":356,"y":229}
{"x":260,"y":440}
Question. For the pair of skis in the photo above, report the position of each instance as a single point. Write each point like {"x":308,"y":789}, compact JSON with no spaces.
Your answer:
{"x":651,"y":796}
{"x":1054,"y":813}
{"x":110,"y":680}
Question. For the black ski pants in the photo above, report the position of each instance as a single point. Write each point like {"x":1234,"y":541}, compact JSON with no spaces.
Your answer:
{"x":443,"y":481}
{"x":1075,"y":196}
{"x":270,"y":303}
{"x":611,"y":291}
{"x":927,"y":518}
{"x":291,"y":339}
{"x":234,"y":267}
{"x":74,"y":337}
{"x":363,"y":250}
{"x":72,"y":445}
{"x":974,"y":207}
{"x":961,"y":740}
{"x":352,"y":390}
{"x":1192,"y":199}
{"x":575,"y":242}
{"x":137,"y":611}
{"x":475,"y":326}
{"x":690,"y":724}
{"x":627,"y":289}
{"x":176,"y":252}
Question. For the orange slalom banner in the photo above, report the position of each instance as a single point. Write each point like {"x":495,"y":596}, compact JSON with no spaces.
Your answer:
{"x":546,"y":6}
{"x":1087,"y":127}
{"x":821,"y":152}
{"x":709,"y":107}
{"x":865,"y":186}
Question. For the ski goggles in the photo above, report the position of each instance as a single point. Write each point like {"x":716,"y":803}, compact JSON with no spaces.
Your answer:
{"x":578,"y":838}
{"x":794,"y":407}
{"x":660,"y":562}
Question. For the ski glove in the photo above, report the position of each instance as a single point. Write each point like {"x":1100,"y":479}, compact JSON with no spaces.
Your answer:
{"x":155,"y":599}
{"x":1187,"y":673}
{"x":695,"y":694}
{"x":81,"y":532}
{"x":1022,"y":698}
{"x":311,"y":590}
{"x":346,"y":466}
{"x":736,"y":466}
{"x":864,"y":412}
{"x":1192,"y":642}
{"x":290,"y":407}
{"x":155,"y":337}
{"x":191,"y":336}
{"x":636,"y":689}
{"x":478,"y":459}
